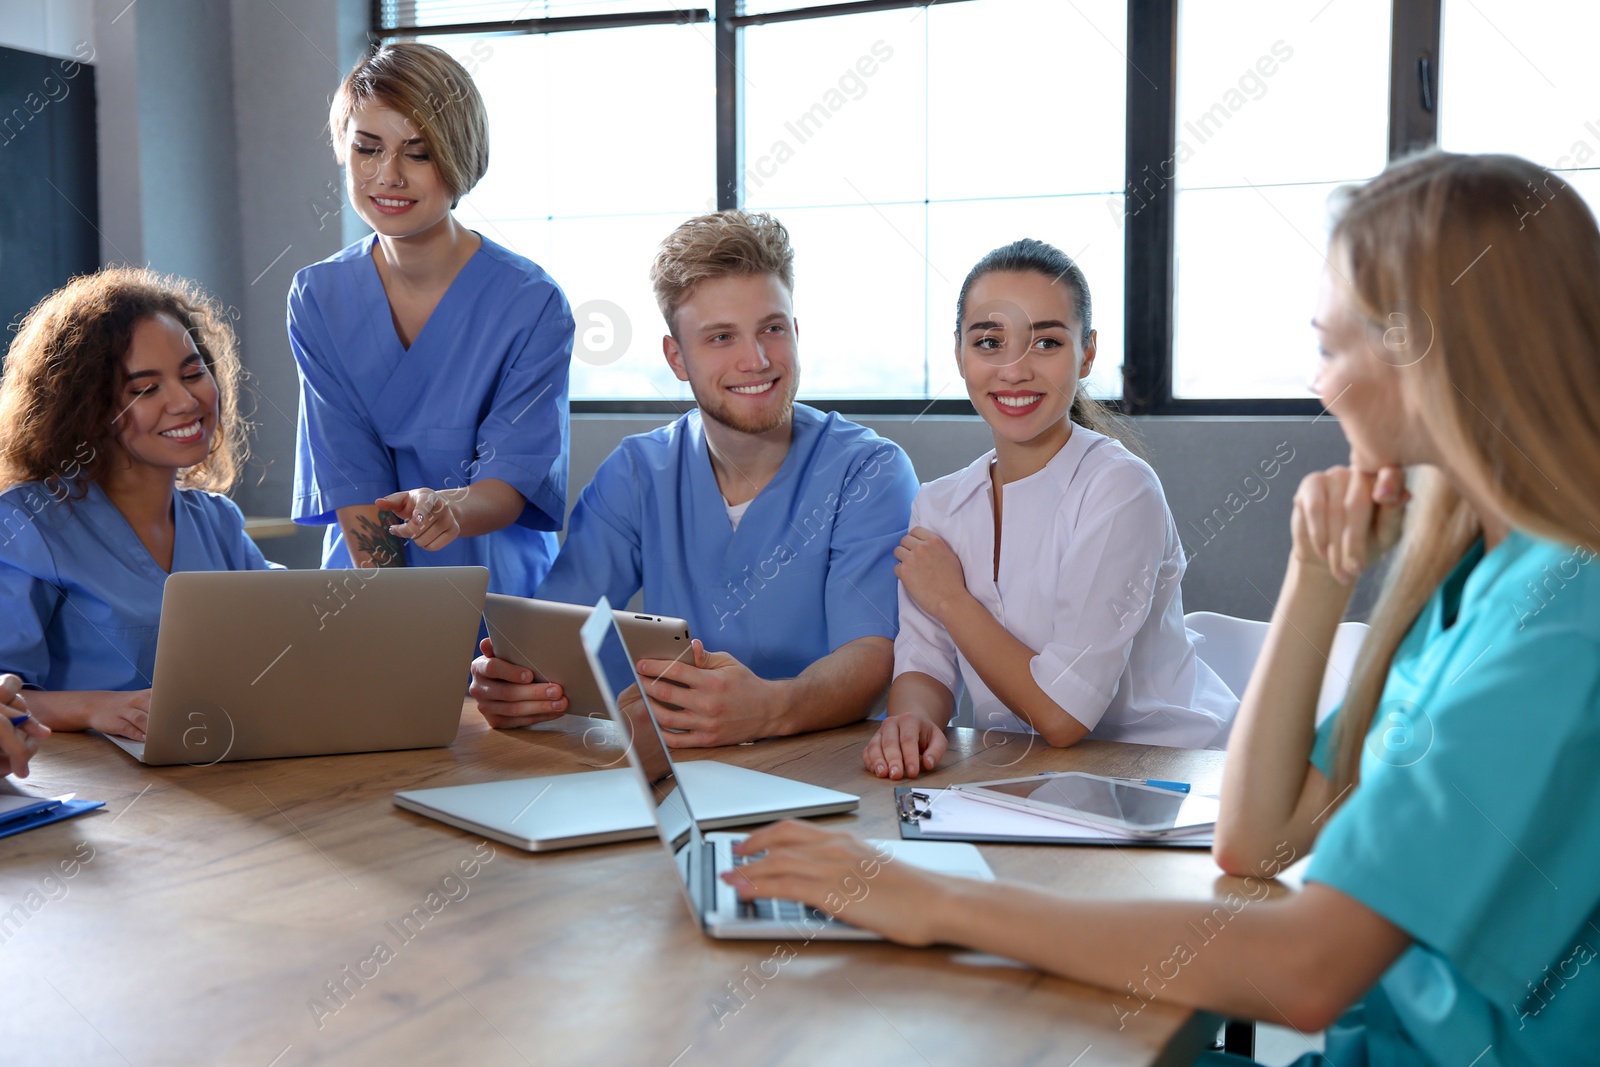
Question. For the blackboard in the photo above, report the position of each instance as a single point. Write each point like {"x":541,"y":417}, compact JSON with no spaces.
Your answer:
{"x":49,"y":191}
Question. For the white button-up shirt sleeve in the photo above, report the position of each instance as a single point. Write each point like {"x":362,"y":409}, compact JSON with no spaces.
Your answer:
{"x":1102,"y":589}
{"x":923,"y":645}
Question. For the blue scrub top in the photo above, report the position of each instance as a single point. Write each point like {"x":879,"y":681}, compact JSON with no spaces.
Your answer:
{"x":481,"y":393}
{"x":1476,"y":824}
{"x":810,"y":568}
{"x":82,"y":594}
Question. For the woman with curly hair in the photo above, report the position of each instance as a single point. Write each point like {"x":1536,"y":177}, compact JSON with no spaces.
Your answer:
{"x":119,"y":431}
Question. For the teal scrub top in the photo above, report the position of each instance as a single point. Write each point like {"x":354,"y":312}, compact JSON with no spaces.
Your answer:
{"x":1476,"y":824}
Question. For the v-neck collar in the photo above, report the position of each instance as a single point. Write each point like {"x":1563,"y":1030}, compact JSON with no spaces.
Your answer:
{"x":976,"y":477}
{"x":703,"y":459}
{"x":375,"y":279}
{"x":141,"y":552}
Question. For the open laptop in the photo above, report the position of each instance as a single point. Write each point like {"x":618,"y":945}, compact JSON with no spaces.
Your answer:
{"x":265,"y":664}
{"x":560,"y":811}
{"x":699,"y":859}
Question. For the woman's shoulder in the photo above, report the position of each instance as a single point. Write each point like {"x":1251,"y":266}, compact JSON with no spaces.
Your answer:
{"x":51,"y":501}
{"x":212,"y":508}
{"x":1101,"y":470}
{"x":39,"y":519}
{"x":1539,"y":581}
{"x":522,"y":275}
{"x":341,"y":263}
{"x":943,"y":495}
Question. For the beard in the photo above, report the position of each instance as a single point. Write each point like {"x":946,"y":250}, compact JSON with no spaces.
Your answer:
{"x":761,"y":421}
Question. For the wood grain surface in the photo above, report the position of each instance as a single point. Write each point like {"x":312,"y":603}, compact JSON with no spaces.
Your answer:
{"x":284,"y":912}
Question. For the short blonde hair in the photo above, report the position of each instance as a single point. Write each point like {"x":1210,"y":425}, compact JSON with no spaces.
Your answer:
{"x":727,"y":243}
{"x":435,"y":92}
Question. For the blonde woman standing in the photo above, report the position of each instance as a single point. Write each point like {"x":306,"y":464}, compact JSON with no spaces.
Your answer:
{"x":433,"y":362}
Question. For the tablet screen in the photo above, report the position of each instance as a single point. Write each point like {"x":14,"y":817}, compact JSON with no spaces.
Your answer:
{"x":1140,"y":808}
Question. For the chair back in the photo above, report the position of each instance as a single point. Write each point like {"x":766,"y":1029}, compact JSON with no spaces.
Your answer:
{"x":1230,"y":646}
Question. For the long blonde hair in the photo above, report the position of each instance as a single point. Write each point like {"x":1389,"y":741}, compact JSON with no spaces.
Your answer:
{"x":1480,"y":273}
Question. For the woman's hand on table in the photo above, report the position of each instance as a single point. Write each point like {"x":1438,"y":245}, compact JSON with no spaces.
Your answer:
{"x":905,"y":745}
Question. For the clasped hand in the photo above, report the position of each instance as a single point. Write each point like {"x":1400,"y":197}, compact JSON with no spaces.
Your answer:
{"x":1344,"y":519}
{"x":930,"y":572}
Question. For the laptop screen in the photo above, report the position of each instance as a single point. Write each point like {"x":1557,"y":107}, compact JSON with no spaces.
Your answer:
{"x":618,"y":683}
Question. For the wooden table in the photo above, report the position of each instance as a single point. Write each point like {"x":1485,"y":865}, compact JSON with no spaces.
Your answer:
{"x":226,"y":915}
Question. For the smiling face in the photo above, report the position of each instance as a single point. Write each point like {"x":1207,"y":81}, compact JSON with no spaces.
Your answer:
{"x":168,"y":399}
{"x":390,"y":177}
{"x":1359,"y":379}
{"x":1021,"y":354}
{"x":735,"y":342}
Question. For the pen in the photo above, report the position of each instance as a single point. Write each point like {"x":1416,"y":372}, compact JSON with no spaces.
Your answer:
{"x":1155,"y":783}
{"x":1160,"y":783}
{"x":18,"y":720}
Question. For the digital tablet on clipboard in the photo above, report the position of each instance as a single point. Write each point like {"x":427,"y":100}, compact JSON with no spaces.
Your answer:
{"x":958,"y":814}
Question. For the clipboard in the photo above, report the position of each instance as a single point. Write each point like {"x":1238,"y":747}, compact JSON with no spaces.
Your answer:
{"x":918,"y":813}
{"x":21,"y":813}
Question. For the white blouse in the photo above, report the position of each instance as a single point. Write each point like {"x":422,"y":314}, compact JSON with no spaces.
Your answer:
{"x":1090,"y":568}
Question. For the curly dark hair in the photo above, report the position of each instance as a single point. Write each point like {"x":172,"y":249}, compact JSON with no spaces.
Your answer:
{"x":64,"y":373}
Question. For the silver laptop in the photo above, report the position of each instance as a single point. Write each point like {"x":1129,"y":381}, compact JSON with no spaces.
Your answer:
{"x":597,"y":807}
{"x":265,"y":664}
{"x":700,"y":859}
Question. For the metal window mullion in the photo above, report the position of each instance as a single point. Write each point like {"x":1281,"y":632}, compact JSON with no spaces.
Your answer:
{"x":1414,"y":75}
{"x":823,"y":11}
{"x":561,"y":24}
{"x":1148,"y":218}
{"x":729,"y":40}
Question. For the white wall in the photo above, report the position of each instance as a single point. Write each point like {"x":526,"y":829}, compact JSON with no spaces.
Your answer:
{"x":49,"y":27}
{"x":1233,"y":521}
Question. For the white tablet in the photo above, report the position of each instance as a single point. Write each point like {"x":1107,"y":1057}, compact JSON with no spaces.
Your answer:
{"x":1133,"y":808}
{"x":542,"y":635}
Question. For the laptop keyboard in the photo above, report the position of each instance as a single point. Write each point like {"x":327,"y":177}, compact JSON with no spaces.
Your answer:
{"x":789,"y":911}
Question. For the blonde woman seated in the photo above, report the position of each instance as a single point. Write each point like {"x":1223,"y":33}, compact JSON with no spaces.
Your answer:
{"x":1451,"y":911}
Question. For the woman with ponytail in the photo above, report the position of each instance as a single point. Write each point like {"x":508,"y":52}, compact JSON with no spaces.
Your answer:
{"x":1452,"y":906}
{"x":1044,"y":577}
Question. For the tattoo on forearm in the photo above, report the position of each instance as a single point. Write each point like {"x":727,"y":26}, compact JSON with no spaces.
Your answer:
{"x":374,"y":538}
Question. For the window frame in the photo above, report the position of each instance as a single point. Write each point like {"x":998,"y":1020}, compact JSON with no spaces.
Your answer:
{"x":1150,"y":139}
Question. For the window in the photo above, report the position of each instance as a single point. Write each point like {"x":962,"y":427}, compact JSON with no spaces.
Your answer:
{"x":603,"y":141}
{"x":901,"y":146}
{"x":1182,"y":150}
{"x":1275,"y":111}
{"x":1511,"y":85}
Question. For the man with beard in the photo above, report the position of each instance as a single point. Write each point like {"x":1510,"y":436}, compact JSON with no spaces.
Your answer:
{"x":766,"y":524}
